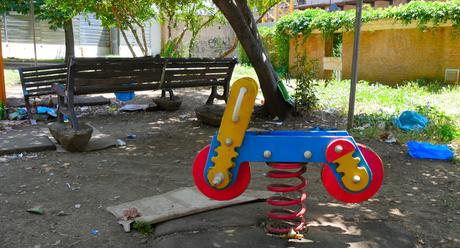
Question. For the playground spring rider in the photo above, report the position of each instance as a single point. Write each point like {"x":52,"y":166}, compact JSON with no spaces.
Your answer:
{"x":351,"y":172}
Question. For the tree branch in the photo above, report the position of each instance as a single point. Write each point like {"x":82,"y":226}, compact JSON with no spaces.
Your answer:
{"x":235,"y":41}
{"x":120,"y":27}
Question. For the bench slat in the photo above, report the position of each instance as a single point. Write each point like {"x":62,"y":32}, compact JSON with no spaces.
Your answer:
{"x":43,"y":67}
{"x":193,"y":77}
{"x":81,"y":82}
{"x":145,"y":86}
{"x":38,"y":91}
{"x":195,"y":71}
{"x":35,"y":73}
{"x":105,"y":60}
{"x":124,"y":80}
{"x":45,"y":83}
{"x":200,"y":66}
{"x":43,"y":78}
{"x":112,"y":73}
{"x":116,"y":67}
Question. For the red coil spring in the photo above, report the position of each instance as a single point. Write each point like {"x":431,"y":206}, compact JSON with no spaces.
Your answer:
{"x":284,"y":216}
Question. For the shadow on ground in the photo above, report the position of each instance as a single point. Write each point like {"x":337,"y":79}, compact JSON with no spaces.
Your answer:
{"x":243,"y":226}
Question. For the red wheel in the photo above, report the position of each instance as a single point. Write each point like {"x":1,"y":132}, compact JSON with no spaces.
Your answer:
{"x":232,"y":191}
{"x":335,"y":190}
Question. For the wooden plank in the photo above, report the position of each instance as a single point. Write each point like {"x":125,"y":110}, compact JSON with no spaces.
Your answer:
{"x":97,"y":89}
{"x":200,"y":66}
{"x":41,"y":92}
{"x":195,"y":71}
{"x":45,"y":78}
{"x":35,"y":73}
{"x":107,"y":82}
{"x":44,"y":67}
{"x":208,"y":60}
{"x":116,"y":73}
{"x":99,"y":60}
{"x":116,"y":66}
{"x":192,"y":77}
{"x":194,"y":83}
{"x":36,"y":84}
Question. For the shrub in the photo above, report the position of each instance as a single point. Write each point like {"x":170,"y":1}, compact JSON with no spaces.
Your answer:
{"x":305,"y":89}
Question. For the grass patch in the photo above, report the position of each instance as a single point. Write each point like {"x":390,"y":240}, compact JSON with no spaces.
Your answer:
{"x":11,"y":77}
{"x":242,"y":70}
{"x":143,"y":227}
{"x":377,"y":105}
{"x":377,"y":98}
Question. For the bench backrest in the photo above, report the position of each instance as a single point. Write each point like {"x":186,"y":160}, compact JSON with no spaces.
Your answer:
{"x":38,"y":80}
{"x":106,"y":75}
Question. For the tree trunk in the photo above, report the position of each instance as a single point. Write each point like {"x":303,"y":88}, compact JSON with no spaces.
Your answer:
{"x":123,"y":33}
{"x":136,"y":37}
{"x":231,"y":49}
{"x":120,"y":27}
{"x":235,"y":41}
{"x":192,"y":44}
{"x":242,"y":21}
{"x":69,"y":40}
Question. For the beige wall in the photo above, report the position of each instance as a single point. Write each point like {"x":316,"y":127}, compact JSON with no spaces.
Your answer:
{"x":392,"y":55}
{"x":398,"y":55}
{"x":314,"y":49}
{"x":212,"y":41}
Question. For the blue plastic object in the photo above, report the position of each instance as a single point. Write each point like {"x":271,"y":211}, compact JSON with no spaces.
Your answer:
{"x":125,"y":96}
{"x":425,"y":150}
{"x":411,"y":121}
{"x":289,"y":146}
{"x":46,"y":110}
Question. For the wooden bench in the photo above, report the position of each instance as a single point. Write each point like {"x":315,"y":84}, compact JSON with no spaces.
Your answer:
{"x":108,"y":75}
{"x":37,"y":81}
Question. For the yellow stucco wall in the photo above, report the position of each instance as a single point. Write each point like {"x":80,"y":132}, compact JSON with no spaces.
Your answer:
{"x":397,"y":55}
{"x":312,"y":47}
{"x":393,"y":55}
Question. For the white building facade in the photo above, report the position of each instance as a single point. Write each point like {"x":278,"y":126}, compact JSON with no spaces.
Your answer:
{"x":91,"y":39}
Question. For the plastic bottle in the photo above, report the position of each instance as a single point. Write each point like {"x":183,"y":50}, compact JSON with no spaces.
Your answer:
{"x":2,"y":110}
{"x":34,"y":108}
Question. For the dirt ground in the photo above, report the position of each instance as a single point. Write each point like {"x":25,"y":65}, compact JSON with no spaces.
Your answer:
{"x":421,"y":195}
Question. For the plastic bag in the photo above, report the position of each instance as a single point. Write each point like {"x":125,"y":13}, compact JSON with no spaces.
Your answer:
{"x":425,"y":150}
{"x":411,"y":121}
{"x":19,"y":114}
{"x":46,"y":110}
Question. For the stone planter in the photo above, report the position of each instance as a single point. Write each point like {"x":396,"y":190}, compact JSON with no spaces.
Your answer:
{"x":168,"y":104}
{"x":70,"y":139}
{"x":210,"y":114}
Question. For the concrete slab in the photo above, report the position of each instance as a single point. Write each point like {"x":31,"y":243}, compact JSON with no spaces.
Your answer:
{"x":179,"y":203}
{"x":25,"y":140}
{"x":243,"y":226}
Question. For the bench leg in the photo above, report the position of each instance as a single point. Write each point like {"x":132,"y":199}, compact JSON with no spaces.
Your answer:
{"x":72,"y":115}
{"x":60,"y":115}
{"x":226,"y":92}
{"x":215,"y":95}
{"x":28,"y":108}
{"x":212,"y":96}
{"x":170,"y":91}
